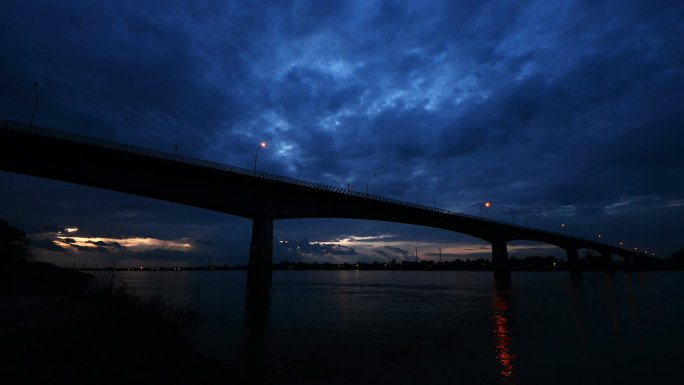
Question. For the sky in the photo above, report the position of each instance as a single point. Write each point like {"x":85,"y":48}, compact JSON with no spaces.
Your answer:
{"x":556,"y":112}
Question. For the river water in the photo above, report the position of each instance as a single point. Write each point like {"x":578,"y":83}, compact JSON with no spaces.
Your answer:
{"x":436,"y":327}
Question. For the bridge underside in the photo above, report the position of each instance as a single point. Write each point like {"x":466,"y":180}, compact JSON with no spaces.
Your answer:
{"x":261,"y":258}
{"x":263,"y":198}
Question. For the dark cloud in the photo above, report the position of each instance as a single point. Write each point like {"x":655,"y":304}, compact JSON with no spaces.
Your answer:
{"x":46,"y":244}
{"x":391,"y":252}
{"x":302,"y":247}
{"x":104,"y":245}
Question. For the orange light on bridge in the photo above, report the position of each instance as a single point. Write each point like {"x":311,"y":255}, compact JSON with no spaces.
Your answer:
{"x":256,"y":154}
{"x":486,"y":205}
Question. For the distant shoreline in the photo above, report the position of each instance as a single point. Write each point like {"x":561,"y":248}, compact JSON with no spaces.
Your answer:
{"x":516,"y":264}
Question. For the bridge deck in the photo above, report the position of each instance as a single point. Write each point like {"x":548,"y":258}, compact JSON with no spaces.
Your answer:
{"x":80,"y":159}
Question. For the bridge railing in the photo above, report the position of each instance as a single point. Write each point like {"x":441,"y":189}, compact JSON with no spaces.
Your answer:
{"x":78,"y":138}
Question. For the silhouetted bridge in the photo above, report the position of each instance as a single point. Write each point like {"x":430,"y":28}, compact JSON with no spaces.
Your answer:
{"x":263,"y":197}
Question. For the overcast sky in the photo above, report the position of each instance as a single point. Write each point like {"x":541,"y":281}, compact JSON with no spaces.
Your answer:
{"x":555,"y":111}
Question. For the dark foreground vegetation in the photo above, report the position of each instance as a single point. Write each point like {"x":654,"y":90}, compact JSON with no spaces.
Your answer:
{"x":58,"y":326}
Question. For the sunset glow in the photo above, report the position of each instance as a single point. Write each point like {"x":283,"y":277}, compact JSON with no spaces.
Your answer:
{"x":132,"y":244}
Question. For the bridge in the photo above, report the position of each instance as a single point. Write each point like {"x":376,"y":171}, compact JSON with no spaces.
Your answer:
{"x":262,"y":197}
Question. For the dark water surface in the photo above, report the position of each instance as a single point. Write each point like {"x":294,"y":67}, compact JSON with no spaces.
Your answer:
{"x":432,"y":327}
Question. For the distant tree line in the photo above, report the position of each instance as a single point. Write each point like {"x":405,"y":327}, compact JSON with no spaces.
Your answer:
{"x":14,"y":245}
{"x":14,"y":254}
{"x":589,"y":262}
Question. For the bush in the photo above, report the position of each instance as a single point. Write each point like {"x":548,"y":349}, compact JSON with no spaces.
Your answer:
{"x":13,"y":245}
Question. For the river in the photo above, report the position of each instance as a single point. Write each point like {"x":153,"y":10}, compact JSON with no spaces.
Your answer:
{"x":436,"y":327}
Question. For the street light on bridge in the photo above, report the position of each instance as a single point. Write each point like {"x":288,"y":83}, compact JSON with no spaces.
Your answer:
{"x":435,"y":198}
{"x":261,"y":145}
{"x":486,"y":205}
{"x":367,"y":180}
{"x":35,"y":107}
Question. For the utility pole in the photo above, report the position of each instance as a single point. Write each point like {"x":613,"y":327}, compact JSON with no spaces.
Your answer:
{"x":440,"y":255}
{"x":35,"y":107}
{"x":416,"y":255}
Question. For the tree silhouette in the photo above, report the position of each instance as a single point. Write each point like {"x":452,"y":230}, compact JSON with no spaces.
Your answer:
{"x":676,"y":260}
{"x":13,"y":244}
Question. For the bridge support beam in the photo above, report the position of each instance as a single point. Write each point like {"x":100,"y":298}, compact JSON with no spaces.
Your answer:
{"x":260,"y":254}
{"x":608,"y":262}
{"x":573,"y":261}
{"x":501,"y":267}
{"x":628,"y":263}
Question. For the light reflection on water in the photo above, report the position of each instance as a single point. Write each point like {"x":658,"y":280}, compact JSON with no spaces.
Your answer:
{"x":504,"y":355}
{"x":436,"y":327}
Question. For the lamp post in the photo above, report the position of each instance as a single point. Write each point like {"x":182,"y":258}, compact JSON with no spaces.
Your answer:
{"x":435,"y":199}
{"x":367,"y":180}
{"x":261,"y":145}
{"x":35,"y":107}
{"x":485,"y":205}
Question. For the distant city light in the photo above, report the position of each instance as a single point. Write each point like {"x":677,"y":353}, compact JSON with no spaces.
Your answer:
{"x":71,"y":229}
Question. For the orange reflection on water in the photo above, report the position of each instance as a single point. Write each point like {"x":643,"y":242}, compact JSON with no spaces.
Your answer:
{"x":504,"y":355}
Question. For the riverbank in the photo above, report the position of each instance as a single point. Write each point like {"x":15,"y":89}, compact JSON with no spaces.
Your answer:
{"x":81,"y":339}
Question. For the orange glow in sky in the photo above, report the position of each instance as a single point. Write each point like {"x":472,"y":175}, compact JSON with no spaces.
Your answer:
{"x":133,"y":244}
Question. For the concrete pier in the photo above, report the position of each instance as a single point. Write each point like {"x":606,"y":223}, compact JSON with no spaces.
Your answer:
{"x":608,"y":262}
{"x":573,"y":261}
{"x":500,"y":264}
{"x":260,"y":253}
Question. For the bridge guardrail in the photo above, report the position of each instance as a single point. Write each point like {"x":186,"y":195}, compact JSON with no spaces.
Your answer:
{"x":78,"y":138}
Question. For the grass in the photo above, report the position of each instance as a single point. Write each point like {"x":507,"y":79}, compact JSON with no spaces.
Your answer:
{"x":106,"y":334}
{"x":170,"y":316}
